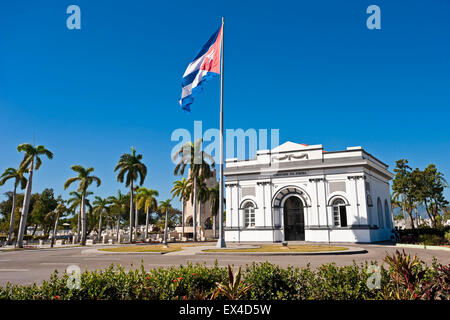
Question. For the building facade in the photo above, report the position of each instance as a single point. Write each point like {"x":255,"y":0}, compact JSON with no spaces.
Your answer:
{"x":297,"y":192}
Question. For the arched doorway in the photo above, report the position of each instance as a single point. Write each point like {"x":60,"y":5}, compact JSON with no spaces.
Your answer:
{"x":294,"y":220}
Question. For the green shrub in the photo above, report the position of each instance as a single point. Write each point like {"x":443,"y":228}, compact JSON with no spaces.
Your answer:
{"x":447,"y":236}
{"x":406,"y":278}
{"x":431,"y":239}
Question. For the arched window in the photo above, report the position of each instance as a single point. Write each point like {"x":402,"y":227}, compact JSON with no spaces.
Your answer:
{"x":380,"y":214}
{"x":190,"y":222}
{"x":249,"y":215}
{"x":208,"y":224}
{"x":339,"y":213}
{"x":387,"y":216}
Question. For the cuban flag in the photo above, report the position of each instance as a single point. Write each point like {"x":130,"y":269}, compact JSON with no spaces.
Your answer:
{"x":205,"y":65}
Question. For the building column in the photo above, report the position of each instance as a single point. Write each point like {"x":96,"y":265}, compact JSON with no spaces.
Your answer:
{"x":315,"y":203}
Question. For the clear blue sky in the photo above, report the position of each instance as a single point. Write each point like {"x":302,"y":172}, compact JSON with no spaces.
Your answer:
{"x":311,"y":69}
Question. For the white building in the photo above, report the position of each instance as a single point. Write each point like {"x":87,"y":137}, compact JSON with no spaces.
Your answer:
{"x":301,"y":192}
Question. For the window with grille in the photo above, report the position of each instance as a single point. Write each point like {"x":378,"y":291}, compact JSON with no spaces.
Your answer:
{"x":249,"y":216}
{"x":339,"y":213}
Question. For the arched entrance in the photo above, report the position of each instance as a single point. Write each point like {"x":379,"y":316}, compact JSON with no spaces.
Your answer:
{"x":294,"y":220}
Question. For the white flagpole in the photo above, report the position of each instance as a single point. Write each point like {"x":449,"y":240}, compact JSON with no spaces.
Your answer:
{"x":221,"y":240}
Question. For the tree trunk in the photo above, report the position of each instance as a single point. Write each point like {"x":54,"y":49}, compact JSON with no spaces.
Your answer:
{"x":118,"y":229}
{"x":100,"y":228}
{"x":194,"y":218}
{"x":79,"y":225}
{"x":55,"y":229}
{"x":83,"y":220}
{"x":165,"y":230}
{"x":215,"y":226}
{"x":199,"y":222}
{"x":182,"y":218}
{"x":11,"y":223}
{"x":146,"y":223}
{"x":131,"y":213}
{"x":35,"y":228}
{"x":409,"y":213}
{"x":25,"y":207}
{"x":136,"y":221}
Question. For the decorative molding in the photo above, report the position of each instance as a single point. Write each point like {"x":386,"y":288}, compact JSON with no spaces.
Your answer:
{"x":290,"y":156}
{"x":357,"y":177}
{"x":316,"y":179}
{"x":231,"y":185}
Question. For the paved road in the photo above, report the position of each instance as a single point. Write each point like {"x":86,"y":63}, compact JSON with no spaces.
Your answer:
{"x":34,"y":266}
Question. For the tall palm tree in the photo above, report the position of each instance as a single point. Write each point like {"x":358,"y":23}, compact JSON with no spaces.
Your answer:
{"x":120,"y":202}
{"x":101,"y":206}
{"x":31,"y":161}
{"x":19,"y":178}
{"x":85,"y":179}
{"x":130,"y":169}
{"x":202,"y":197}
{"x":200,"y":164}
{"x":214,"y":201}
{"x":165,"y":207}
{"x":147,"y":200}
{"x":75,"y":202}
{"x":181,"y":190}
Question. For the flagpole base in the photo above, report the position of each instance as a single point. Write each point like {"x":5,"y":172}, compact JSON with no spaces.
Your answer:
{"x":221,"y":243}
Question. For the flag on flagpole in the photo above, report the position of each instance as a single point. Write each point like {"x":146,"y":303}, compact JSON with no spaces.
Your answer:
{"x":205,"y":65}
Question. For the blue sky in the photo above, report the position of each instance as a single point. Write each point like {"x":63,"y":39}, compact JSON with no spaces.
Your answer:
{"x":311,"y":69}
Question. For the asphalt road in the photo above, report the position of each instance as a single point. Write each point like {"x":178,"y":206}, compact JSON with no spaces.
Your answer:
{"x":34,"y":266}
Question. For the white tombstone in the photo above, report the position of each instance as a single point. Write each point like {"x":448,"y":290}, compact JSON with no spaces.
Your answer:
{"x":90,"y":242}
{"x":59,"y":242}
{"x":111,"y":241}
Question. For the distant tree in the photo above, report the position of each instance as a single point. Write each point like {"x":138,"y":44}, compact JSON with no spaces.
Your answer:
{"x":147,"y":201}
{"x":76,"y":201}
{"x":30,"y":162}
{"x":84,"y":179}
{"x":101,"y":207}
{"x":165,"y":207}
{"x":119,"y":206}
{"x":44,"y":204}
{"x":19,"y":179}
{"x":215,"y":203}
{"x":404,"y":188}
{"x":431,"y":186}
{"x":55,"y":215}
{"x":130,"y":168}
{"x":181,"y":190}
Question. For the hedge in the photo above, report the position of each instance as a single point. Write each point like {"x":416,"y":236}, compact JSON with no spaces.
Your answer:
{"x":405,"y":278}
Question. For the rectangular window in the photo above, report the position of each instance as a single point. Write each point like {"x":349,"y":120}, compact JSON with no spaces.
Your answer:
{"x":249,"y":218}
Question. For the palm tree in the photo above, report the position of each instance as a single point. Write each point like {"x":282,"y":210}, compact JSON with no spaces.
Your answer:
{"x":214,"y":201}
{"x":190,"y":154}
{"x":147,"y":200}
{"x":165,"y":207}
{"x":131,"y":166}
{"x":57,"y":214}
{"x":19,"y":178}
{"x":120,"y":202}
{"x":84,"y":181}
{"x":181,"y":190}
{"x":75,"y":202}
{"x":202,"y":197}
{"x":30,"y":162}
{"x":101,"y":205}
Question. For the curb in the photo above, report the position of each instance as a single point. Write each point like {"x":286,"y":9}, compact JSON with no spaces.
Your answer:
{"x":421,"y":246}
{"x":314,"y":253}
